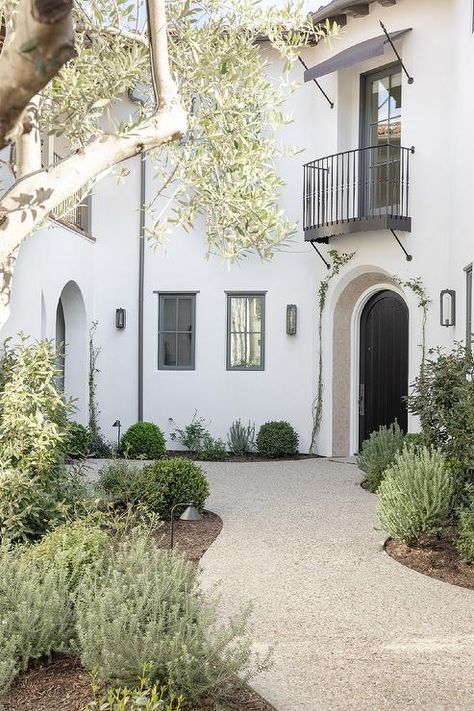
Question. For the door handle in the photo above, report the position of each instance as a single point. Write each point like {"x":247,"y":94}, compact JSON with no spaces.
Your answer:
{"x":361,"y":399}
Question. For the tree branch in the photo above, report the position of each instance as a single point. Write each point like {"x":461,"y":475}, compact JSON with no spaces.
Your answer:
{"x":41,"y":44}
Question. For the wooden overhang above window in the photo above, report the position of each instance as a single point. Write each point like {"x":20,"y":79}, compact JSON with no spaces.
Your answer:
{"x":373,"y":47}
{"x":339,"y":10}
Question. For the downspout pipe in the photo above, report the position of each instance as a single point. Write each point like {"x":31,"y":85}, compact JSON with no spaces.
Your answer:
{"x":141,"y":283}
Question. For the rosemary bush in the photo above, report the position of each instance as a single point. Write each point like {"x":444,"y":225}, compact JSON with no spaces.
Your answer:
{"x":378,"y":453}
{"x":465,"y":542}
{"x":148,"y":608}
{"x":36,"y":615}
{"x":241,"y":438}
{"x":416,"y":494}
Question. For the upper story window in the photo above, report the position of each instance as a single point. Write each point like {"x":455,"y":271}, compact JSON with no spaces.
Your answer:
{"x":469,"y":334}
{"x":176,"y":331}
{"x":245,"y":331}
{"x":77,"y":209}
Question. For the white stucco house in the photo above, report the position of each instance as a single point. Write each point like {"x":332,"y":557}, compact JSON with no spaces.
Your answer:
{"x":385,"y":173}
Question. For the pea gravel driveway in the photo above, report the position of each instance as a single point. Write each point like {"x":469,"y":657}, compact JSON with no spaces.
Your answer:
{"x":353,"y":628}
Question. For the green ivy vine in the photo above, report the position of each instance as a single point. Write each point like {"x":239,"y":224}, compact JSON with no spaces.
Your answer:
{"x":418,"y":288}
{"x":339,"y":260}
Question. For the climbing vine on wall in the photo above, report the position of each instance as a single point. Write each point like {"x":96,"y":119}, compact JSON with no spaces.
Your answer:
{"x":339,"y":260}
{"x":98,"y":446}
{"x":418,"y":288}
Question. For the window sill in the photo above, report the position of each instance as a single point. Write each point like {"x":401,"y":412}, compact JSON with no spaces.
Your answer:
{"x":73,"y":228}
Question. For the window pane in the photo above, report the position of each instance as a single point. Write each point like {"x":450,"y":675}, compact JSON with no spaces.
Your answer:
{"x":255,"y":314}
{"x":380,"y":99}
{"x":185,"y":315}
{"x":237,"y":316}
{"x":395,"y":95}
{"x":255,"y":350}
{"x":168,"y":349}
{"x":169,"y":314}
{"x":184,"y":359}
{"x":238,"y":358}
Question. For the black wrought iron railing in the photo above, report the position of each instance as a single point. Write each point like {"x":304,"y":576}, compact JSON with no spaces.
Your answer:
{"x":361,"y":184}
{"x":76,"y":210}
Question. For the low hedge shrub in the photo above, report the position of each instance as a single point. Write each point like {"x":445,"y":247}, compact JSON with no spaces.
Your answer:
{"x":156,"y":486}
{"x":143,"y":440}
{"x":465,"y":542}
{"x":78,"y":442}
{"x":378,"y":453}
{"x":277,"y":439}
{"x":416,"y":494}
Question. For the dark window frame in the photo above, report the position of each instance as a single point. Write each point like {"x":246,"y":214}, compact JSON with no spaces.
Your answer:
{"x":468,"y":272}
{"x":248,"y":295}
{"x":162,"y":297}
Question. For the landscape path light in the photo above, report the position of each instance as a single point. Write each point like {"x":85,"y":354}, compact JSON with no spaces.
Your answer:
{"x":189,"y":514}
{"x":118,"y":425}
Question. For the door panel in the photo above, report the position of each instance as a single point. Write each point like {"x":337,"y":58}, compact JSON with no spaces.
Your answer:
{"x":383,"y":363}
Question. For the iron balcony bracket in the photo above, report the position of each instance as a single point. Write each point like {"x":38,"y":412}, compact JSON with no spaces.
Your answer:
{"x":410,"y":78}
{"x":331,"y":103}
{"x":409,"y":257}
{"x":328,"y":266}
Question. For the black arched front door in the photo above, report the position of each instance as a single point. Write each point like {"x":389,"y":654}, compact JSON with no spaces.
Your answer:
{"x":383,"y":383}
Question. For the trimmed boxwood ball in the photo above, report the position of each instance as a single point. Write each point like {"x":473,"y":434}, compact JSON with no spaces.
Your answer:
{"x":143,"y":440}
{"x":277,"y":439}
{"x":171,"y":481}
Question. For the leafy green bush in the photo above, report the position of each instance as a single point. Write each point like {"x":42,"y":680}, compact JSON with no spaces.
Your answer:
{"x":157,"y":486}
{"x":277,"y":439}
{"x":443,"y":398}
{"x":145,"y":697}
{"x":212,"y":450}
{"x":241,"y":438}
{"x":76,"y":548}
{"x":416,"y":494}
{"x":465,"y":542}
{"x":78,"y":443}
{"x":36,"y":615}
{"x":148,"y":608}
{"x":415,"y":439}
{"x":192,"y":436}
{"x":143,"y":440}
{"x":378,"y":453}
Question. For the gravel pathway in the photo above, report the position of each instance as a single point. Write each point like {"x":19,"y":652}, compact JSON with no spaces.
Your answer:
{"x":353,"y":629}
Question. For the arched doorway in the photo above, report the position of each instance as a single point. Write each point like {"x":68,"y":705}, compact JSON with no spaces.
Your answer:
{"x":72,"y":344}
{"x":383,"y":365}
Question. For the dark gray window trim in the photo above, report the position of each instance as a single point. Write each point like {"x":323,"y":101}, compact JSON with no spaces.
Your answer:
{"x":469,"y":294}
{"x":177,"y":294}
{"x":229,"y":296}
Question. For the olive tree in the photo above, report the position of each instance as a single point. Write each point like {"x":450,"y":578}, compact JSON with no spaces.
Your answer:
{"x":207,"y":111}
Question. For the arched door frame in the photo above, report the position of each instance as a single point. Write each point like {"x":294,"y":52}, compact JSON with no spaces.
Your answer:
{"x":355,"y":353}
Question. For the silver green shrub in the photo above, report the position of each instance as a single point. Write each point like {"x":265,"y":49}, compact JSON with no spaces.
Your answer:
{"x":148,"y":609}
{"x":416,"y":494}
{"x":241,"y":438}
{"x":465,"y":542}
{"x":378,"y":453}
{"x":36,"y":613}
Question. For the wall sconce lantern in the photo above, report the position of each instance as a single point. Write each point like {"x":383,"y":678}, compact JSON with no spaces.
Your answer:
{"x":448,"y":307}
{"x":120,"y":318}
{"x":291,"y":319}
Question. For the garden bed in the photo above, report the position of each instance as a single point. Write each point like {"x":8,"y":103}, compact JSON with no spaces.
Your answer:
{"x":435,"y":556}
{"x":63,"y":684}
{"x":244,"y":458}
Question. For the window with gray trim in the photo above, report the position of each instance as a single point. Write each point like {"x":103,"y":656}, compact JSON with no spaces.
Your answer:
{"x":468,"y":271}
{"x":245,"y":331}
{"x":176,"y":331}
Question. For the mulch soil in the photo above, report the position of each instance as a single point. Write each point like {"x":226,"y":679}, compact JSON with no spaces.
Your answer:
{"x":62,"y":684}
{"x":244,"y":458}
{"x":435,"y":556}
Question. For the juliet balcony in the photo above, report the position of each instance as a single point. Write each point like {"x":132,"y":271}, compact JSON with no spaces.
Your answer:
{"x":359,"y":190}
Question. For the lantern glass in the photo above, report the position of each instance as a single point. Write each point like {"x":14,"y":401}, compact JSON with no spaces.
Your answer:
{"x":120,"y":318}
{"x":448,"y":307}
{"x":291,"y":319}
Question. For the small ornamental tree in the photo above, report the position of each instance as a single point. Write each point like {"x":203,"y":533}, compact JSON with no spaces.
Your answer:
{"x":206,"y":112}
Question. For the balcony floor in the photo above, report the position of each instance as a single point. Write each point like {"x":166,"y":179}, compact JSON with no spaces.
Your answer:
{"x":323,"y":233}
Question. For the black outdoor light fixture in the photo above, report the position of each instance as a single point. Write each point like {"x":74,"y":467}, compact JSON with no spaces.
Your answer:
{"x":118,"y":425}
{"x":189,"y":514}
{"x":447,"y":307}
{"x":120,"y":318}
{"x":291,"y":319}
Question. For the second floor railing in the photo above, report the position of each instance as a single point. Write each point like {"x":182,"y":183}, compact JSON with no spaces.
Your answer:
{"x":76,"y":210}
{"x":363,"y":183}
